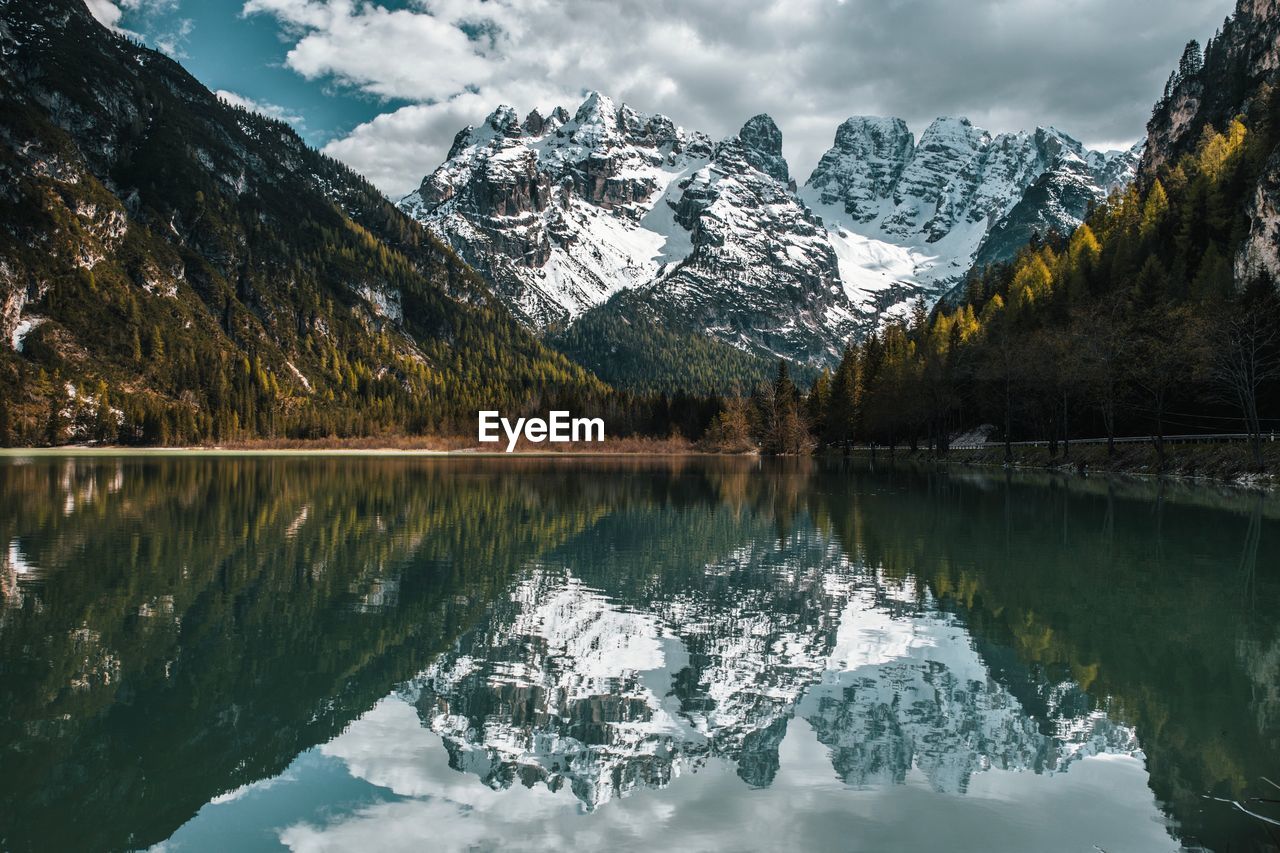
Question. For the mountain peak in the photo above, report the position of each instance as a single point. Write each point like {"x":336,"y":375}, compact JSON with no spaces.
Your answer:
{"x":958,"y":129}
{"x":862,"y":166}
{"x":761,"y":133}
{"x":596,"y":108}
{"x":717,"y":235}
{"x":596,"y":120}
{"x":502,"y":123}
{"x":762,"y":142}
{"x":856,"y":128}
{"x":503,"y":119}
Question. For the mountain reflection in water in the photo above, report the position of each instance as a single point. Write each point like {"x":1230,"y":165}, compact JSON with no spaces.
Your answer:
{"x":514,"y":654}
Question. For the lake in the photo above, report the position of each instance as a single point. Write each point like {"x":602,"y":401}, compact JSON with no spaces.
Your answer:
{"x":358,"y":653}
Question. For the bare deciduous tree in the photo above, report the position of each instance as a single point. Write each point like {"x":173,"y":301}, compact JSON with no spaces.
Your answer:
{"x":1244,"y":355}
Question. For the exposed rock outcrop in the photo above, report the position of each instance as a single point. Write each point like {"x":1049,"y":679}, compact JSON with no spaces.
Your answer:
{"x":562,"y":213}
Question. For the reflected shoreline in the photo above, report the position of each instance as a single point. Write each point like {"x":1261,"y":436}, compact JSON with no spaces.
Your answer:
{"x":957,"y":462}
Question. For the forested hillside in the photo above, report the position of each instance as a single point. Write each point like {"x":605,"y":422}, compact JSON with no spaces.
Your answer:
{"x":1159,"y":314}
{"x":632,"y":343}
{"x":173,"y":269}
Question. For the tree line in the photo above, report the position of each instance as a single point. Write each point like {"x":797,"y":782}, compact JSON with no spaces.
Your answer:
{"x":1135,"y":324}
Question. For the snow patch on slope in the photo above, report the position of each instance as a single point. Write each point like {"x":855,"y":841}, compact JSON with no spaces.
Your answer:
{"x":25,"y":327}
{"x":562,"y":212}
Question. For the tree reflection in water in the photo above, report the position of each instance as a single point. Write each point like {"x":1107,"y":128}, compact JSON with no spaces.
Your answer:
{"x":174,"y":629}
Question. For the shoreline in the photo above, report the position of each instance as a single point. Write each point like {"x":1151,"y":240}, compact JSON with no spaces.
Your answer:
{"x":419,"y":452}
{"x":347,"y":451}
{"x":1209,"y":464}
{"x":422,"y":446}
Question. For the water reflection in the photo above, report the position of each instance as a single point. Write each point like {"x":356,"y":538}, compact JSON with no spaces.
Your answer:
{"x":562,"y":687}
{"x":507,"y":653}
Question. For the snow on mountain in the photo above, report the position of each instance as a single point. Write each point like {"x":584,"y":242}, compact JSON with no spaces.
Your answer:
{"x":863,"y":166}
{"x":901,"y":693}
{"x":551,"y":692}
{"x":1058,"y":199}
{"x":551,"y":209}
{"x":561,"y":212}
{"x":958,"y":197}
{"x":761,"y":273}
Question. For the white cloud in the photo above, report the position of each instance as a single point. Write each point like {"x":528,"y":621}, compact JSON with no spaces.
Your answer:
{"x":170,"y":41}
{"x":711,"y":65}
{"x":107,"y":13}
{"x":396,"y":149}
{"x":390,"y":53}
{"x":269,"y":110}
{"x":149,"y":5}
{"x":165,"y":35}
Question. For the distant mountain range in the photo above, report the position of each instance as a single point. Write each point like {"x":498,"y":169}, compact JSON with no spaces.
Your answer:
{"x":564,"y":212}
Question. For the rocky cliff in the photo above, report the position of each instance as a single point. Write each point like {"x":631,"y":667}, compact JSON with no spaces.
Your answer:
{"x":564,"y":212}
{"x":1234,"y":75}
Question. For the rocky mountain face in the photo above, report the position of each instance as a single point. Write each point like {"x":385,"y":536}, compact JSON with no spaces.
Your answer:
{"x":178,"y":269}
{"x":1212,"y":86}
{"x":564,"y":212}
{"x":1058,"y":200}
{"x":550,"y":208}
{"x":760,"y":274}
{"x":1235,"y":74}
{"x":909,"y":219}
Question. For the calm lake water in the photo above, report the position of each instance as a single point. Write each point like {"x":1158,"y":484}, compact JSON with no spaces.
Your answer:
{"x":242,"y":653}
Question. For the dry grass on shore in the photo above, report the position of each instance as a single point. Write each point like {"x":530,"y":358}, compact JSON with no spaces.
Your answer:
{"x":461,"y":444}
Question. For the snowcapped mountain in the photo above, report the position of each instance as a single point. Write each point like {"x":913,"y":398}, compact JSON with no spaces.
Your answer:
{"x":910,"y":219}
{"x":563,"y":212}
{"x":560,"y":212}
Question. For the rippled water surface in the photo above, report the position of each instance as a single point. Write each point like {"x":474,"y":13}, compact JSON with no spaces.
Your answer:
{"x":239,"y":653}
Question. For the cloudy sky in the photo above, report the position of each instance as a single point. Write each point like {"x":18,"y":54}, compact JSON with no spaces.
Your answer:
{"x":385,"y":84}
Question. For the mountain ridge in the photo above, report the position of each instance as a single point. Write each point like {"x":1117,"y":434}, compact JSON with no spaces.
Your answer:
{"x":562,"y":213}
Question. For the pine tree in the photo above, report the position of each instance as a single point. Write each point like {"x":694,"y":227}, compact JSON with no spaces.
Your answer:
{"x":784,"y":388}
{"x":104,"y":420}
{"x":818,"y":401}
{"x":1192,"y":61}
{"x":841,"y":416}
{"x":54,"y":426}
{"x":730,"y":430}
{"x":1033,"y":281}
{"x":919,"y":315}
{"x":1154,"y":209}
